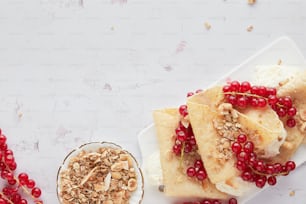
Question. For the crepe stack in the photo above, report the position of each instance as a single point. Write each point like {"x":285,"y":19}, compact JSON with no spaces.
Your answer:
{"x":176,"y":183}
{"x":215,"y":124}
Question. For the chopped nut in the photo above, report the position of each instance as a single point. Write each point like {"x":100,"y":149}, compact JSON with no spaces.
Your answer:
{"x":207,"y":26}
{"x":292,"y":193}
{"x":251,"y":2}
{"x":250,"y":28}
{"x":132,"y":184}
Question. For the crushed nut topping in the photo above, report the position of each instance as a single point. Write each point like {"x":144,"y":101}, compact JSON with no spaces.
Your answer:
{"x":227,"y":127}
{"x":101,"y":177}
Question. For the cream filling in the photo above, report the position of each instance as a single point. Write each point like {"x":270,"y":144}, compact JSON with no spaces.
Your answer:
{"x":153,"y":170}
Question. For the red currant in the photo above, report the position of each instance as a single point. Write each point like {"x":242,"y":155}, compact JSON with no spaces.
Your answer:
{"x":183,"y":110}
{"x":36,"y":192}
{"x":291,"y":111}
{"x":232,"y":201}
{"x":272,"y":180}
{"x":291,"y":122}
{"x":245,"y":86}
{"x":201,"y":175}
{"x":290,"y":165}
{"x":235,"y":86}
{"x":241,"y":138}
{"x":191,"y":172}
{"x":260,"y":182}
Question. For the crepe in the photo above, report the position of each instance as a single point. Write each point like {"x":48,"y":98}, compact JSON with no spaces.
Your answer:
{"x":296,"y":89}
{"x":176,"y":183}
{"x":216,"y":124}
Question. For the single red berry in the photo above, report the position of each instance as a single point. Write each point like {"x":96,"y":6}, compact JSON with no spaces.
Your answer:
{"x":216,"y":202}
{"x":190,"y":94}
{"x":272,"y":99}
{"x":191,"y":172}
{"x":262,"y":102}
{"x":30,"y":183}
{"x":260,"y":182}
{"x":201,"y":175}
{"x":183,"y":110}
{"x":23,"y":201}
{"x":181,"y":136}
{"x":242,"y":156}
{"x":270,"y":169}
{"x":240,"y":165}
{"x":12,"y":166}
{"x":36,"y":192}
{"x":198,"y":164}
{"x":248,"y":147}
{"x":232,"y":99}
{"x":291,"y":122}
{"x":246,"y":175}
{"x":226,"y":88}
{"x":254,"y":90}
{"x":16,"y":197}
{"x":291,"y":111}
{"x":2,"y":139}
{"x":271,"y":91}
{"x":287,"y":102}
{"x":254,"y":102}
{"x":245,"y":86}
{"x":260,"y":166}
{"x":206,"y":201}
{"x":241,"y":138}
{"x":262,"y":91}
{"x":281,"y":112}
{"x":277,"y":168}
{"x":232,"y":201}
{"x":242,"y":102}
{"x":236,"y":147}
{"x":177,"y":149}
{"x":23,"y":178}
{"x":252,"y":161}
{"x":235,"y":86}
{"x":290,"y":165}
{"x":272,"y":180}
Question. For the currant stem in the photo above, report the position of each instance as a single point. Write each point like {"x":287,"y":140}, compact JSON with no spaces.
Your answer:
{"x":20,"y":185}
{"x":6,"y":198}
{"x":263,"y":174}
{"x":182,"y":155}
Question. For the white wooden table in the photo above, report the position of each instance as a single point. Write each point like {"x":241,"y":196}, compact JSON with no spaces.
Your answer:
{"x":74,"y":71}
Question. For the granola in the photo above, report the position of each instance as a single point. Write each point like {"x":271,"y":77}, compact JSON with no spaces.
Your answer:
{"x":105,"y":176}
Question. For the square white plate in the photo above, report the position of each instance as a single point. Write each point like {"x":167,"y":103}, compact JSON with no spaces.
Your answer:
{"x":283,"y":49}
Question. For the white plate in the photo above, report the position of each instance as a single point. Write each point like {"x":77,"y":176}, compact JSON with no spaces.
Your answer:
{"x":283,"y":49}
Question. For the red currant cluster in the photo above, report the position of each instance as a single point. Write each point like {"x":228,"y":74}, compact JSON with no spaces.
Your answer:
{"x":254,"y":169}
{"x":185,"y":143}
{"x":242,"y":95}
{"x":184,"y":137}
{"x":197,"y":170}
{"x":10,"y":193}
{"x":210,"y":201}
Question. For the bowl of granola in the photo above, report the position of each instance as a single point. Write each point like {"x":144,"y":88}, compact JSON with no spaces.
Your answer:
{"x":100,"y":172}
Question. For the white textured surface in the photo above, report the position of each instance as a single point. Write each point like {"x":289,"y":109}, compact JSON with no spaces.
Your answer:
{"x":74,"y":71}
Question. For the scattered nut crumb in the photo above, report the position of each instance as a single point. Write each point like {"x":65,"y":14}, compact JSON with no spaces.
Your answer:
{"x":161,"y":188}
{"x":103,"y":176}
{"x":250,"y":28}
{"x":292,"y":193}
{"x":207,"y":25}
{"x":279,"y":62}
{"x":251,"y":2}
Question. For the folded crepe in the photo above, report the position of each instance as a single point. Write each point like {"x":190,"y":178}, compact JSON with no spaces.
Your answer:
{"x":176,"y":182}
{"x":216,"y":123}
{"x":294,"y":87}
